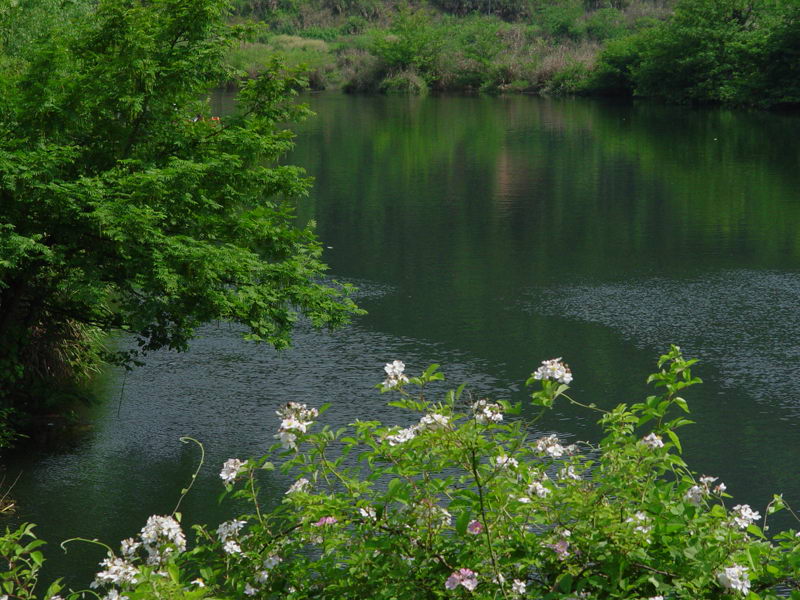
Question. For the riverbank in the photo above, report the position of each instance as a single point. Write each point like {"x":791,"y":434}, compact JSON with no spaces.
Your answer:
{"x":687,"y":52}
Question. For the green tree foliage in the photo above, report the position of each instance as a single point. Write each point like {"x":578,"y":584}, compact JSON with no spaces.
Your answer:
{"x":125,"y":206}
{"x":733,"y":51}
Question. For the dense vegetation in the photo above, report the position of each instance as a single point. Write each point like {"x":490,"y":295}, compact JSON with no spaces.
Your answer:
{"x":125,"y":207}
{"x":733,"y":51}
{"x":466,"y":500}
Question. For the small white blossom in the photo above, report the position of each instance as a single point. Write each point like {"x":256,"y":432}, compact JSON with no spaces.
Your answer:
{"x":735,"y":578}
{"x":231,"y":547}
{"x":250,"y":590}
{"x":720,"y":488}
{"x":518,"y":587}
{"x":653,"y":441}
{"x":295,"y":418}
{"x":114,"y":595}
{"x":230,"y":470}
{"x":262,"y":576}
{"x":537,"y":488}
{"x":554,"y":369}
{"x":504,"y":462}
{"x":394,"y":374}
{"x":198,"y":582}
{"x":524,"y":500}
{"x":368,"y":513}
{"x":402,"y":436}
{"x":694,"y":495}
{"x":486,"y":412}
{"x":229,"y":529}
{"x":117,"y":571}
{"x":161,"y":536}
{"x":129,"y":546}
{"x":742,"y":516}
{"x":434,"y":421}
{"x":549,"y":445}
{"x":272,"y":561}
{"x":641,"y":522}
{"x":568,"y":472}
{"x":301,"y":485}
{"x":707,"y":480}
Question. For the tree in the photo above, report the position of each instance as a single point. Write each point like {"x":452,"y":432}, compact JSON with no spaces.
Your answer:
{"x":126,"y":207}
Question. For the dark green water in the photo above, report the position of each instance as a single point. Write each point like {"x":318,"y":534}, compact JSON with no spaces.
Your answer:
{"x":487,"y":235}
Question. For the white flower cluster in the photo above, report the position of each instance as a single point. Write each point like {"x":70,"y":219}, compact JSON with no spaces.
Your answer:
{"x":295,"y":419}
{"x":554,"y":369}
{"x":463,"y":577}
{"x":118,"y":571}
{"x":487,"y":412}
{"x":538,"y":489}
{"x":504,"y":462}
{"x":228,"y":532}
{"x":161,"y":536}
{"x":429,"y":422}
{"x":272,"y":561}
{"x":518,"y":587}
{"x":550,"y":445}
{"x":735,"y":578}
{"x":641,"y":523}
{"x":742,"y":515}
{"x":394,"y":374}
{"x":694,"y":495}
{"x":301,"y":485}
{"x":230,"y":469}
{"x":569,"y":472}
{"x":653,"y":441}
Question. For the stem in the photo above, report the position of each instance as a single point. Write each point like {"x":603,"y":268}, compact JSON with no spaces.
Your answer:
{"x":186,"y":439}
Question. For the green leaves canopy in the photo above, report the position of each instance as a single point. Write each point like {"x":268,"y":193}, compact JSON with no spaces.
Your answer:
{"x":125,"y":206}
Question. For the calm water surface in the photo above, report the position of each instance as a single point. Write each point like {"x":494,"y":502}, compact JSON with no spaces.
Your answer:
{"x":487,"y":235}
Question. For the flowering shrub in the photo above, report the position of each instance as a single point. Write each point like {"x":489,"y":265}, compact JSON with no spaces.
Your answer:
{"x":467,"y":503}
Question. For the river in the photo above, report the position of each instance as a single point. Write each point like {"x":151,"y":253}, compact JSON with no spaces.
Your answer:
{"x":486,"y":234}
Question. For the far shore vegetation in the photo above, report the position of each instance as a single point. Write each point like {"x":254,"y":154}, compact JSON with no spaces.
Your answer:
{"x":737,"y":52}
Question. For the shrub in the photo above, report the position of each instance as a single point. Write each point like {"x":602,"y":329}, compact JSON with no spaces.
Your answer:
{"x":464,"y":502}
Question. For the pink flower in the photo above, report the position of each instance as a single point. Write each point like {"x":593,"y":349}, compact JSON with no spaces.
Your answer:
{"x":325,"y":521}
{"x":465,"y":577}
{"x":475,"y":527}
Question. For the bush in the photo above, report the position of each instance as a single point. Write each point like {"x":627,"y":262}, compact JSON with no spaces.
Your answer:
{"x":463,"y":503}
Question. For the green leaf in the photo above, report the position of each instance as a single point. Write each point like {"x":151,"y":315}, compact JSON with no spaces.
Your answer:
{"x":462,"y":521}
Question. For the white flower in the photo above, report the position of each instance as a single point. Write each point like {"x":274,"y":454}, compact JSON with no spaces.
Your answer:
{"x":367,"y":513}
{"x":231,"y":547}
{"x":653,"y":441}
{"x":464,"y":577}
{"x":486,"y":412}
{"x":537,"y":488}
{"x":288,"y":439}
{"x":720,"y":488}
{"x":230,"y":470}
{"x":504,"y":462}
{"x":250,"y":590}
{"x":401,"y":436}
{"x":742,"y":515}
{"x":262,"y":576}
{"x":568,"y":472}
{"x":198,"y":582}
{"x":272,"y":561}
{"x":301,"y":485}
{"x":656,"y":598}
{"x":117,"y":571}
{"x":128,"y":547}
{"x":114,"y":595}
{"x":524,"y":500}
{"x":394,"y":374}
{"x":549,"y":445}
{"x":518,"y":587}
{"x":157,"y":533}
{"x":554,"y":369}
{"x":734,"y":578}
{"x":707,"y":480}
{"x":229,"y":529}
{"x":295,"y":418}
{"x":694,"y":495}
{"x":434,"y":421}
{"x":641,"y":522}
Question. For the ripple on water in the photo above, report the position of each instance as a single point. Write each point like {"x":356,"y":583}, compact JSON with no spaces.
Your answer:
{"x":744,"y":322}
